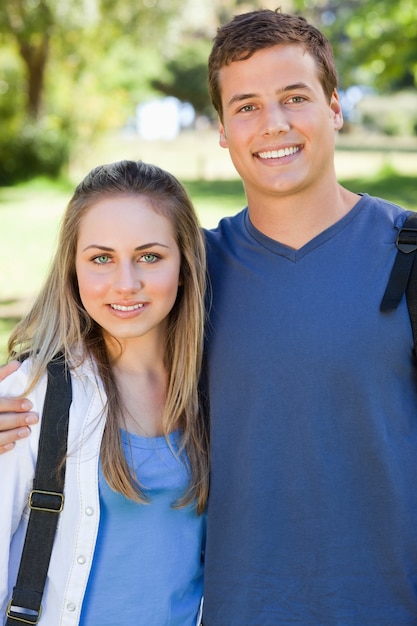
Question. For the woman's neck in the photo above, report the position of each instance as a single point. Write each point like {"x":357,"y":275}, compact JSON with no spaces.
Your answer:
{"x":142,"y":381}
{"x":143,"y":395}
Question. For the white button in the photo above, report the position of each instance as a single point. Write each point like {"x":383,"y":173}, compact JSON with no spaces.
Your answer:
{"x":89,"y":511}
{"x":81,"y":559}
{"x":71,"y":606}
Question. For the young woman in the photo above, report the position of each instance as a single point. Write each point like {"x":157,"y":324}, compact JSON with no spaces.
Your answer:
{"x":124,"y":303}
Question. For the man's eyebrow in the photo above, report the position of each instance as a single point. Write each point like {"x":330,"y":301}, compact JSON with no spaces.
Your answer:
{"x":240,"y":97}
{"x":294,"y":87}
{"x":145,"y":246}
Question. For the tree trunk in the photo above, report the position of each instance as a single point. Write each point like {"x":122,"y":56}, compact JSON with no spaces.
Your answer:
{"x":35,"y":58}
{"x":31,"y":24}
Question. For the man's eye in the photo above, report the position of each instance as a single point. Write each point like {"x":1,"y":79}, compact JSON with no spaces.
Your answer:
{"x":247,"y":107}
{"x":101,"y":259}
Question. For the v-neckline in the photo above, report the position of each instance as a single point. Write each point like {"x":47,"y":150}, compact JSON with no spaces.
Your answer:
{"x":295,"y":255}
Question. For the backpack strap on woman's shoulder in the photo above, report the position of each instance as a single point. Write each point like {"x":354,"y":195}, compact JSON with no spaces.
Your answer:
{"x":46,"y":500}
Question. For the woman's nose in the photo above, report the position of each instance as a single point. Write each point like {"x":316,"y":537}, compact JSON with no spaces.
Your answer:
{"x":128,"y":278}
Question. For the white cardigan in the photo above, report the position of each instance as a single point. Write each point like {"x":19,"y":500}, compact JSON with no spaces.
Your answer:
{"x":78,"y":523}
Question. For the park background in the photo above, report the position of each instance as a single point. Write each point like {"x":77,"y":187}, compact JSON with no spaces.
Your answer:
{"x":80,"y":78}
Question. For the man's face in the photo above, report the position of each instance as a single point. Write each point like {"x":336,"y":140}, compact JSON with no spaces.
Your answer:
{"x":277,"y":122}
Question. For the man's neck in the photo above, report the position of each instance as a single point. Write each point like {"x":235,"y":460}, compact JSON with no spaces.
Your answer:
{"x":296,"y":220}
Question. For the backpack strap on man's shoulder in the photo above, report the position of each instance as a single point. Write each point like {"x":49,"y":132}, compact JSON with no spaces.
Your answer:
{"x":46,"y":499}
{"x":403,"y":277}
{"x":407,"y":246}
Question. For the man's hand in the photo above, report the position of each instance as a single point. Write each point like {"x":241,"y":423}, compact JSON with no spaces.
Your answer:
{"x":15,"y":415}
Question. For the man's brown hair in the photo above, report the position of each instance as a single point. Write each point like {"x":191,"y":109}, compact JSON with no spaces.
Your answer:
{"x":245,"y":34}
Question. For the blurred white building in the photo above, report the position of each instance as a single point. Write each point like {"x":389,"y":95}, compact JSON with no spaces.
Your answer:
{"x":163,"y":118}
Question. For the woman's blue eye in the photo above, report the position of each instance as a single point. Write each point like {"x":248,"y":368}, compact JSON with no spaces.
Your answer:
{"x":149,"y":258}
{"x":101,"y":259}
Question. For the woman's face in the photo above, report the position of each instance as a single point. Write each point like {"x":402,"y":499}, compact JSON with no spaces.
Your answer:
{"x":128,"y":267}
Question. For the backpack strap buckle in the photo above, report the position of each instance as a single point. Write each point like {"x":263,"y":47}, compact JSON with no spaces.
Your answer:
{"x":21,"y":614}
{"x":406,"y":241}
{"x":48,"y":501}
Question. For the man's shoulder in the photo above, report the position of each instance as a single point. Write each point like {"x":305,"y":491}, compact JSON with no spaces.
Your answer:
{"x":382,"y":204}
{"x":380,"y":214}
{"x":228,"y":224}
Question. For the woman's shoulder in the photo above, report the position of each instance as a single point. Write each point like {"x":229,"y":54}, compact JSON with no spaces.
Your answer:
{"x":85,"y":383}
{"x":16,"y":383}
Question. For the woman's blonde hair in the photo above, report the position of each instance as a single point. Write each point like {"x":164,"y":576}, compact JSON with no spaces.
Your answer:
{"x":58,"y":322}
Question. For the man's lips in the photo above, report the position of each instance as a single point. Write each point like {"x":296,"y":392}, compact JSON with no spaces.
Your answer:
{"x":278,"y":154}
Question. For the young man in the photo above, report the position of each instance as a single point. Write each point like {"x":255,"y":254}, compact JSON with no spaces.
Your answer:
{"x":313,"y":505}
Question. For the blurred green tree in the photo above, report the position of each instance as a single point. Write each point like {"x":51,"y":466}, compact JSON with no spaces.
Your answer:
{"x":30,"y":25}
{"x":69,"y":70}
{"x":75,"y":33}
{"x":185,"y":75}
{"x":375,"y":41}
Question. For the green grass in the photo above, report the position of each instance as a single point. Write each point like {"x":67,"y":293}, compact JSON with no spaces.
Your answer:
{"x":213,"y":199}
{"x":30,"y":213}
{"x":29,"y":217}
{"x":390,"y":185}
{"x":6,"y":326}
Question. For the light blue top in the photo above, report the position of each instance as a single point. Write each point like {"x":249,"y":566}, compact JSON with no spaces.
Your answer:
{"x":147,"y":567}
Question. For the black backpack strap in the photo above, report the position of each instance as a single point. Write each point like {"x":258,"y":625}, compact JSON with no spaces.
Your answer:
{"x":403,"y":277}
{"x":46,"y":499}
{"x":411,"y":295}
{"x":407,"y":245}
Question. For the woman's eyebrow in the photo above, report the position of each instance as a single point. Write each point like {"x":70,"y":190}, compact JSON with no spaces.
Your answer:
{"x":138,"y":248}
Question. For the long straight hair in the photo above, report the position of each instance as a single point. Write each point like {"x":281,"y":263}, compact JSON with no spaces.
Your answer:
{"x":58,"y":322}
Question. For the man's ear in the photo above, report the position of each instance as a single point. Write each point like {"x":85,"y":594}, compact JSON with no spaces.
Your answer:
{"x":222,"y":136}
{"x":336,"y":111}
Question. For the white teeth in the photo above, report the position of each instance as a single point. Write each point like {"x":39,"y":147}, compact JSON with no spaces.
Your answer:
{"x":120,"y":307}
{"x":278,"y":154}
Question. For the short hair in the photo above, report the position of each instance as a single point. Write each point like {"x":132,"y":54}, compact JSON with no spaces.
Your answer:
{"x":250,"y":32}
